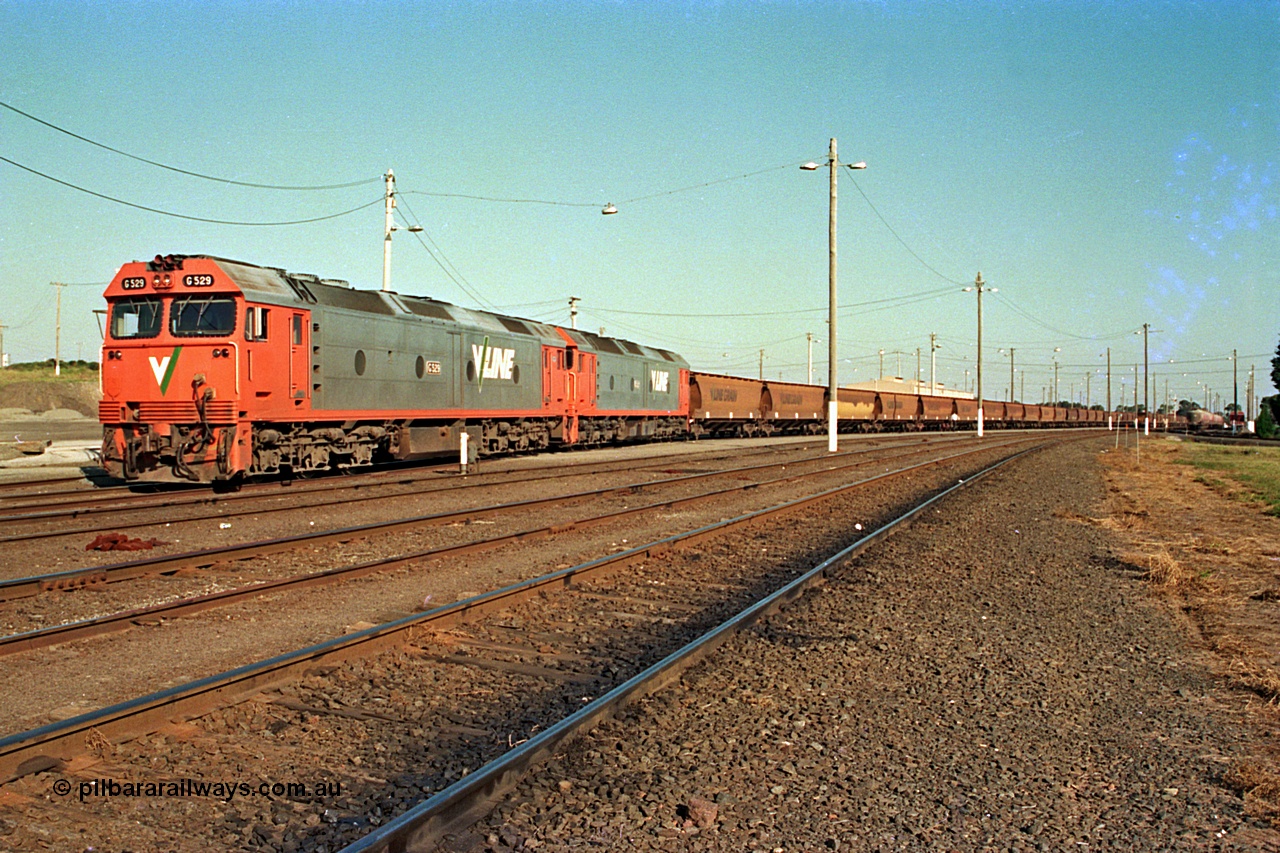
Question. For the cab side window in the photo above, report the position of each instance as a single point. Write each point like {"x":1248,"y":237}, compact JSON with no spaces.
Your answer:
{"x":255,"y":323}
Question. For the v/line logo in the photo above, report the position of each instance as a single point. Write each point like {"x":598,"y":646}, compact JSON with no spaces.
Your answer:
{"x":497,"y":362}
{"x":163,"y":369}
{"x":659,"y":380}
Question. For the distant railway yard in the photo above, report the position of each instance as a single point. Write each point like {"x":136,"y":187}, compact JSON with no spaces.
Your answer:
{"x":1033,"y":640}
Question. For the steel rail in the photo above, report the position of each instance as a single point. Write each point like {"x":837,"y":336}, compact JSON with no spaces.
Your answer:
{"x":468,"y":799}
{"x":51,"y":745}
{"x":83,"y":629}
{"x":95,"y":576}
{"x":192,"y":495}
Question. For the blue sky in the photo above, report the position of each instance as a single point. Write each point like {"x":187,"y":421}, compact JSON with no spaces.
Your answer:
{"x":1103,"y":165}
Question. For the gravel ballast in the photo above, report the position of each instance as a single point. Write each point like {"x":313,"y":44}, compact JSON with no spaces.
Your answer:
{"x":991,"y":678}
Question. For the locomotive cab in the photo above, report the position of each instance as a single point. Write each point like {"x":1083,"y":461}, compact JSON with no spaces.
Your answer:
{"x":171,"y":372}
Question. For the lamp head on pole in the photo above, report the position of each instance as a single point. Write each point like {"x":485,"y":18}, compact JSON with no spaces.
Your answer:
{"x":859,"y":165}
{"x":810,"y":166}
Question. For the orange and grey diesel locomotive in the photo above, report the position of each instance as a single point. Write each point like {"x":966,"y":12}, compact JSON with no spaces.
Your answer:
{"x":213,"y":370}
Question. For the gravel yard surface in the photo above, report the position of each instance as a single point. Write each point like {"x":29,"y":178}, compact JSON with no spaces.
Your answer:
{"x":993,"y":678}
{"x":1000,"y":675}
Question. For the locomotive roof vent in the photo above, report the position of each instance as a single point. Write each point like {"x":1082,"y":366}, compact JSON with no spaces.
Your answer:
{"x":336,"y":282}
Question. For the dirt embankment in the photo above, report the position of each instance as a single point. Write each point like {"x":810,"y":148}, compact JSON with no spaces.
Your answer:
{"x":37,"y":396}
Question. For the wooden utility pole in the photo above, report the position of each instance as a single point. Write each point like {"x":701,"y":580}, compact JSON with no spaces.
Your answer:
{"x":57,"y":330}
{"x":1109,"y":416}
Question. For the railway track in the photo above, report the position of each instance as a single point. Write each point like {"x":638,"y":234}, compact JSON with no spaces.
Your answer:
{"x":461,"y":803}
{"x":49,"y":746}
{"x":52,"y":635}
{"x":567,"y":648}
{"x":96,"y":576}
{"x":120,"y":509}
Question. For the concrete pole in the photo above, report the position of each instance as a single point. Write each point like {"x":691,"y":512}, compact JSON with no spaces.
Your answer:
{"x":833,"y":384}
{"x":977,"y":283}
{"x":388,"y":228}
{"x":573,"y":311}
{"x":1235,"y":388}
{"x":933,"y":361}
{"x":1010,"y":374}
{"x":1146,"y":382}
{"x":57,"y":331}
{"x":1109,"y":416}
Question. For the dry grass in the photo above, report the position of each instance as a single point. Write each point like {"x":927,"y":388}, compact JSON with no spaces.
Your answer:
{"x":1260,"y":679}
{"x":1160,"y":569}
{"x":1260,"y":788}
{"x":1210,"y":551}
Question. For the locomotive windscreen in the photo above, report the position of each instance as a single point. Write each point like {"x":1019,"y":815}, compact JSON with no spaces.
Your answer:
{"x":136,"y":317}
{"x":202,"y":316}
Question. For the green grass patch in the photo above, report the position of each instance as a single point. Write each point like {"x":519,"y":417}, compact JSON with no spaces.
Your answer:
{"x":43,"y":371}
{"x":1255,"y":469}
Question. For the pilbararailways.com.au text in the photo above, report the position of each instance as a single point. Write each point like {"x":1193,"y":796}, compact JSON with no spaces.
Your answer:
{"x":226,"y":790}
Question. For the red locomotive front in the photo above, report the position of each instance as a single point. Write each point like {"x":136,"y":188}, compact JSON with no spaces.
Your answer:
{"x":177,"y":332}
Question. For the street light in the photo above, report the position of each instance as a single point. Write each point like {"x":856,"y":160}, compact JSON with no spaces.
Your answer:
{"x":979,"y":285}
{"x":832,"y":379}
{"x":389,"y":227}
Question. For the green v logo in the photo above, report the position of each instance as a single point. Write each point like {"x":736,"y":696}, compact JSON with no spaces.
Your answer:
{"x":163,"y":369}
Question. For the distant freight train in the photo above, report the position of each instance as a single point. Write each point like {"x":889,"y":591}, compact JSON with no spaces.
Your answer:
{"x":214,"y":370}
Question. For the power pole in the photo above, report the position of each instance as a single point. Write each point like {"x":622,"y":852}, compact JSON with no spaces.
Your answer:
{"x":933,"y":360}
{"x":1109,"y":416}
{"x":918,"y":370}
{"x":809,"y":335}
{"x":573,"y":311}
{"x":1010,"y":374}
{"x":832,"y":379}
{"x":761,"y":365}
{"x":1146,"y":382}
{"x":1235,"y":388}
{"x":833,"y":385}
{"x":1248,"y":394}
{"x":4,"y":362}
{"x":979,"y":285}
{"x":389,"y":227}
{"x":57,"y":330}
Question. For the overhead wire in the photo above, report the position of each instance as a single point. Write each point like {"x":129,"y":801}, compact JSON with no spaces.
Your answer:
{"x":886,"y":224}
{"x":452,"y":272}
{"x":181,"y":171}
{"x":183,"y":215}
{"x":708,"y":183}
{"x":1032,"y":318}
{"x":888,"y":302}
